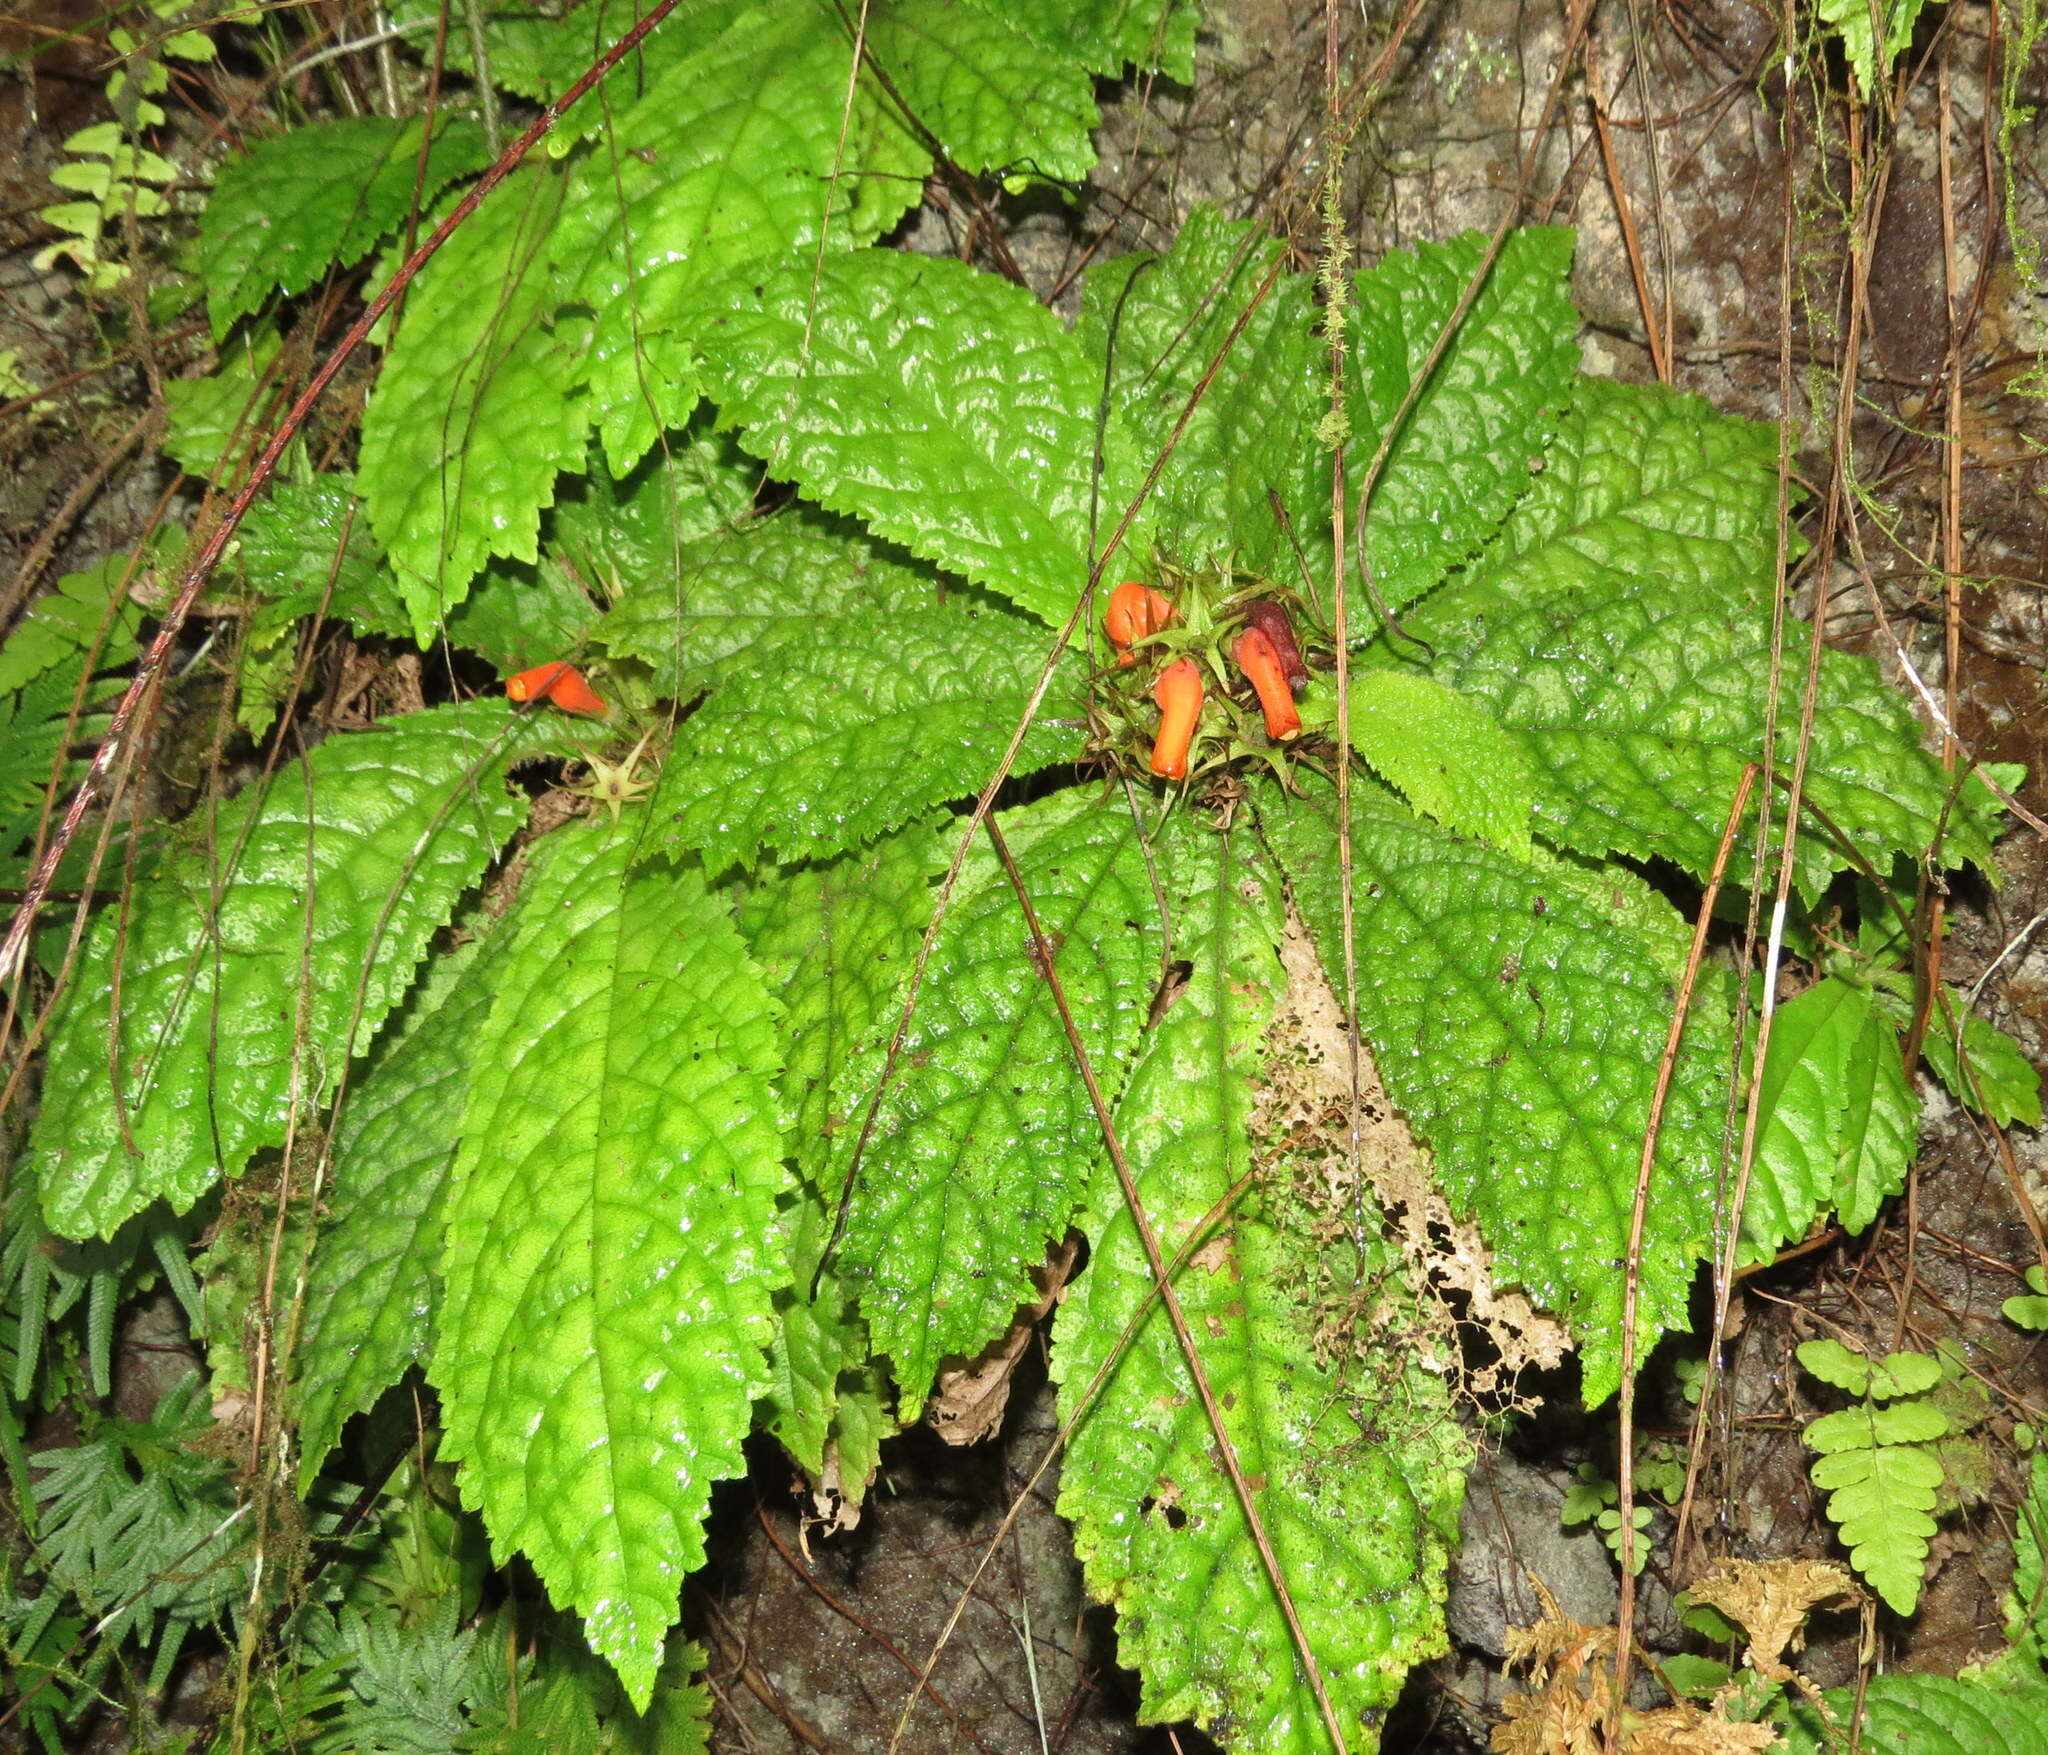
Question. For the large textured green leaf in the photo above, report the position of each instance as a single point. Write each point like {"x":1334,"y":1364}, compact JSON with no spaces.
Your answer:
{"x":1517,"y":1012}
{"x":985,"y":1132}
{"x":307,"y":546}
{"x":539,"y":54}
{"x":1251,"y":430}
{"x":1929,"y":1715}
{"x":626,"y":538}
{"x":1446,"y":754}
{"x":1640,"y":483}
{"x":1993,"y":1071}
{"x":829,"y":742}
{"x":317,"y":196}
{"x":1106,"y":34}
{"x":219,"y":419}
{"x":475,"y":409}
{"x":316,"y":891}
{"x":1358,"y":1492}
{"x":943,"y":407}
{"x":519,"y":616}
{"x":375,"y":1280}
{"x":990,"y":95}
{"x":1837,"y":1117}
{"x":1478,"y":431}
{"x":835,"y":942}
{"x":611,"y":1250}
{"x":730,"y":602}
{"x":726,"y":163}
{"x":1621,"y":624}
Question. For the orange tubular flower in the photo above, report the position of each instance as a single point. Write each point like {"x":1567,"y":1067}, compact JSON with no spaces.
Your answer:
{"x":1179,"y":694}
{"x":1134,"y":611}
{"x":1271,"y":620}
{"x":561,"y":685}
{"x":1257,"y":659}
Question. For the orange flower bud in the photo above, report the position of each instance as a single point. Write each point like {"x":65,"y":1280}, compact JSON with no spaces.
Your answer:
{"x":1179,"y":694}
{"x":561,"y":685}
{"x":1257,"y":659}
{"x":1135,"y":610}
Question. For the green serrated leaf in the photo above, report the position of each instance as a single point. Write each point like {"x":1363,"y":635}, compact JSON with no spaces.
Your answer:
{"x":1105,"y":35}
{"x":223,"y":416}
{"x":1852,"y":22}
{"x":1357,"y":1482}
{"x":1476,"y":436}
{"x":1835,"y":1113}
{"x":730,"y":601}
{"x":301,"y":900}
{"x":76,"y":614}
{"x":1880,"y":1501}
{"x":944,"y":407}
{"x":835,"y":942}
{"x":519,"y":616}
{"x":1518,"y":1013}
{"x":1645,"y":700}
{"x":627,"y":538}
{"x":1161,"y":321}
{"x":722,"y":169}
{"x":318,"y":196}
{"x":990,"y":96}
{"x":375,"y":1280}
{"x":1997,"y":1066}
{"x":611,"y":1258}
{"x":37,"y":734}
{"x":985,"y":1133}
{"x":1639,"y":482}
{"x":539,"y":55}
{"x":827,"y":1405}
{"x":1446,"y":754}
{"x":1622,"y":625}
{"x":307,"y":545}
{"x":1882,"y":1125}
{"x":1926,"y":1715}
{"x":1834,"y":1363}
{"x":1906,"y":1422}
{"x":475,"y":409}
{"x":827,"y":742}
